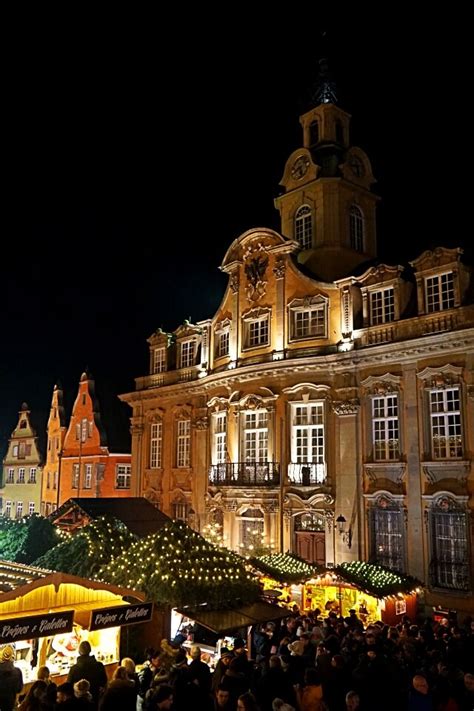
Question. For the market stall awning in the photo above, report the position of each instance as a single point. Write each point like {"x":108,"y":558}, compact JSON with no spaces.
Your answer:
{"x":222,"y":621}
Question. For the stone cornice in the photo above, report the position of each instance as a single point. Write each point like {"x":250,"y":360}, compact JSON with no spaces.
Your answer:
{"x":389,"y":353}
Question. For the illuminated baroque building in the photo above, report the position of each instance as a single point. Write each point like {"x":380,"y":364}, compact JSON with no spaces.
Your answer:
{"x":78,"y":461}
{"x":20,"y":494}
{"x":328,"y":405}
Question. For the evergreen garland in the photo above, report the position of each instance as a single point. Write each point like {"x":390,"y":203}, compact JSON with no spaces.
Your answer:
{"x":376,"y":580}
{"x":177,"y":566}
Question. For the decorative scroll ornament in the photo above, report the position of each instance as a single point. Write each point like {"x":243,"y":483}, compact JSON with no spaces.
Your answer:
{"x":346,"y":407}
{"x":255,"y":269}
{"x":234,"y":282}
{"x":280,"y":268}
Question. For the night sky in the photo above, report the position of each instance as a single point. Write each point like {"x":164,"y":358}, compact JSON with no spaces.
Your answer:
{"x":129,"y":168}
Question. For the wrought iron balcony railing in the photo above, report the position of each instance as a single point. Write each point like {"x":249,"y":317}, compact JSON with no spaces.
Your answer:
{"x":245,"y":474}
{"x":307,"y":473}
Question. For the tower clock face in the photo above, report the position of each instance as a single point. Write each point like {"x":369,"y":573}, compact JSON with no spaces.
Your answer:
{"x":300,"y":167}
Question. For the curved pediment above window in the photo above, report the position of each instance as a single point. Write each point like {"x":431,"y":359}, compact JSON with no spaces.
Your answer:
{"x":218,"y":404}
{"x":222,"y":326}
{"x":379,"y":275}
{"x":306,"y":302}
{"x":439,"y":257}
{"x":444,"y":376}
{"x":155,"y":414}
{"x":382,"y":384}
{"x":254,"y":401}
{"x":259,"y":241}
{"x":187,"y":330}
{"x":160,"y":338}
{"x":307,"y":391}
{"x":445,"y":501}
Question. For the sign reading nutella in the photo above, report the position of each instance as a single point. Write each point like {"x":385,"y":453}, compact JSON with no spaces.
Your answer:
{"x":119,"y":616}
{"x":38,"y":626}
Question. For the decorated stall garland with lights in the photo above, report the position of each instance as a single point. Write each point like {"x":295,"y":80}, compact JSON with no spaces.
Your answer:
{"x":373,"y":591}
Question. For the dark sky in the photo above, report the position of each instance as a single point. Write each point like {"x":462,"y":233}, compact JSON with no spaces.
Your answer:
{"x":136,"y":150}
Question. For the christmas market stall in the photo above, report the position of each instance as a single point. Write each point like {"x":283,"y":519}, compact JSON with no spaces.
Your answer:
{"x":374,"y":592}
{"x":44,"y":616}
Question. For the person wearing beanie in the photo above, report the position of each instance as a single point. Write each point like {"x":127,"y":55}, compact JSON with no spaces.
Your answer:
{"x":200,"y":676}
{"x":87,"y":667}
{"x":221,"y":668}
{"x":11,"y":679}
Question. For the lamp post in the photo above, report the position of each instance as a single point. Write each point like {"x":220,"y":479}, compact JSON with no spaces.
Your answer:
{"x":346,"y":536}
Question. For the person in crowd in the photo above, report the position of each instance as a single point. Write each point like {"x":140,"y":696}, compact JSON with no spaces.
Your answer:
{"x":161,"y":699}
{"x":11,"y":679}
{"x":147,"y":673}
{"x":36,"y":699}
{"x":44,"y":675}
{"x":87,"y":667}
{"x":222,"y":701}
{"x":65,"y":698}
{"x":467,"y":694}
{"x":280,"y":705}
{"x":352,"y":701}
{"x":274,"y":683}
{"x":121,"y":693}
{"x":310,"y":697}
{"x":83,"y":695}
{"x":200,"y":675}
{"x":130,"y":668}
{"x":181,"y":683}
{"x":420,"y":698}
{"x":221,"y":668}
{"x":247,"y":702}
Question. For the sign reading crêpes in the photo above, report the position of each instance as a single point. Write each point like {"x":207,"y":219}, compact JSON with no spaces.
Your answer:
{"x":118,"y":616}
{"x":47,"y":625}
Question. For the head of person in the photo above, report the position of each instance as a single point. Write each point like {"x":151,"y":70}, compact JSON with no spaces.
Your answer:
{"x":420,"y":684}
{"x":352,"y":701}
{"x":274,"y":662}
{"x":121,"y":673}
{"x":280,"y":705}
{"x":7,"y":654}
{"x":181,"y":658}
{"x":239,"y":645}
{"x":84,"y":648}
{"x":469,"y":682}
{"x":226,"y":656}
{"x":129,"y":665}
{"x":247,"y":702}
{"x":43,"y":674}
{"x":81,"y":688}
{"x":64,"y":692}
{"x":222,"y":696}
{"x":195,"y":652}
{"x":162,"y":698}
{"x":37,"y":691}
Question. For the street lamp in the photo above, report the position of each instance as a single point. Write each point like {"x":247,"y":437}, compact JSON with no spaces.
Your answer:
{"x":346,"y":536}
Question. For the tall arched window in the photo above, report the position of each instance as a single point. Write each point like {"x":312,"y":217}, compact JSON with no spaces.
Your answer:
{"x":313,"y":133}
{"x":449,"y":565}
{"x":251,"y":530}
{"x":304,"y":226}
{"x":356,"y":227}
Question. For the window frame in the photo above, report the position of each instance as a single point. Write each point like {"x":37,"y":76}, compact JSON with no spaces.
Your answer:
{"x":448,"y":302}
{"x":303,"y":226}
{"x":262,"y":436}
{"x":387,"y":419}
{"x":219,"y":437}
{"x":308,"y":305}
{"x":447,"y":574}
{"x":388,"y":543}
{"x":316,"y":461}
{"x":356,"y":229}
{"x":88,"y":476}
{"x":156,"y":444}
{"x":252,"y":317}
{"x":443,"y":418}
{"x":183,"y":443}
{"x":388,"y":312}
{"x":159,"y":364}
{"x":126,"y":476}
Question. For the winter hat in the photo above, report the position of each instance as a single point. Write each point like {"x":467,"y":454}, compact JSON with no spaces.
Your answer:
{"x":296,"y":648}
{"x":239,"y":643}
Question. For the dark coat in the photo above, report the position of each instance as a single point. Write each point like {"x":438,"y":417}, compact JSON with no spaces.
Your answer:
{"x":11,"y":683}
{"x":87,"y":667}
{"x":121,"y":694}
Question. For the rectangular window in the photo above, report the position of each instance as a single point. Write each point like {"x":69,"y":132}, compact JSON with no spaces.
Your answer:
{"x":439,"y":292}
{"x":387,"y":538}
{"x":156,"y":445}
{"x":15,"y":450}
{"x":159,"y":360}
{"x":258,"y":332}
{"x":19,"y":509}
{"x":307,"y":443}
{"x":124,"y":472}
{"x":84,"y":430}
{"x":48,"y":480}
{"x":187,"y":354}
{"x":222,"y":344}
{"x":309,"y":323}
{"x":385,"y":437}
{"x":11,"y":476}
{"x":21,"y":475}
{"x":183,"y":443}
{"x":252,"y":529}
{"x":8,"y":509}
{"x":220,"y":438}
{"x":32,"y":478}
{"x":382,"y":306}
{"x":255,"y":436}
{"x":446,"y":432}
{"x":78,"y":432}
{"x":88,"y":476}
{"x":180,"y":511}
{"x":55,"y":481}
{"x":31,"y":508}
{"x":449,"y":566}
{"x":75,"y":476}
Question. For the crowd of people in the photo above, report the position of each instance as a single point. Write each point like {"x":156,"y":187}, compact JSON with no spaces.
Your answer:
{"x":304,"y":663}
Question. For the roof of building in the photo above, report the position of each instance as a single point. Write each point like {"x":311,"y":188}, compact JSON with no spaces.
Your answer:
{"x":137,"y":513}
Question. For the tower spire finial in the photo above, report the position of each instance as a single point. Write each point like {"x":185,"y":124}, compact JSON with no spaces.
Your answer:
{"x":325,"y":90}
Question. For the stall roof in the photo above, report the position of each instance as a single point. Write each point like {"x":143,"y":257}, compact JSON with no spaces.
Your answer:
{"x":14,"y":575}
{"x":137,"y":513}
{"x":222,"y":621}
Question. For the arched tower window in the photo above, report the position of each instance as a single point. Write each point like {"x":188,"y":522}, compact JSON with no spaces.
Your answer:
{"x":356,"y":227}
{"x":304,"y":226}
{"x":313,"y":133}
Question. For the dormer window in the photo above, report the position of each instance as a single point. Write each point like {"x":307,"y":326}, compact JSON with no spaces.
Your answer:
{"x":356,"y":228}
{"x":187,"y":354}
{"x":222,"y":339}
{"x":159,"y":360}
{"x":439,"y":292}
{"x":308,"y":318}
{"x":304,"y":226}
{"x":256,"y":328}
{"x":382,"y":306}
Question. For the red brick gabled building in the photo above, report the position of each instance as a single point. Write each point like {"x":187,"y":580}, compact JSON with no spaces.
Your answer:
{"x":87,"y":468}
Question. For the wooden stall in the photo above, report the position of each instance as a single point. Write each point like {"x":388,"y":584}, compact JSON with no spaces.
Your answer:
{"x":44,"y":616}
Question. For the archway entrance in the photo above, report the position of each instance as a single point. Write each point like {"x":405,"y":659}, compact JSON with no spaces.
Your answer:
{"x":310,"y":537}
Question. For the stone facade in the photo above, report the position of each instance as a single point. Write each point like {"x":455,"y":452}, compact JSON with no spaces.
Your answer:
{"x":332,"y":414}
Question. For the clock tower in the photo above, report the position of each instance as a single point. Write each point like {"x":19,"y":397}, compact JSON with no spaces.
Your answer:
{"x":327,"y":204}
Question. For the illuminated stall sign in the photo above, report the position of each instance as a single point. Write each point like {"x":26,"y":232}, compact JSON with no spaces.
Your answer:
{"x":18,"y":628}
{"x":119,"y":616}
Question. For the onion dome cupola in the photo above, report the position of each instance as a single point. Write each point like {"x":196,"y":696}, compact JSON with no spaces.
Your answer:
{"x":327,"y":205}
